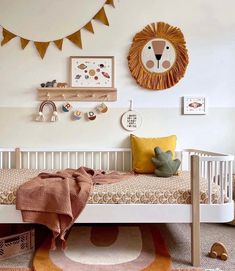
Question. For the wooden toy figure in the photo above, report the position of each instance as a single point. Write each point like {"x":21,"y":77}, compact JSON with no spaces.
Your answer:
{"x":62,"y":85}
{"x":218,"y":250}
{"x":49,"y":84}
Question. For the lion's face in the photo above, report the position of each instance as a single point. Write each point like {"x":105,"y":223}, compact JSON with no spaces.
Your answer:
{"x":158,"y":57}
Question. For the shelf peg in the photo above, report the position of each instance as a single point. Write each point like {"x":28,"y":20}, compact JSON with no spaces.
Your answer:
{"x":76,"y":95}
{"x":105,"y":96}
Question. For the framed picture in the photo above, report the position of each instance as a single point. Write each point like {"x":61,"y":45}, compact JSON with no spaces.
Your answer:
{"x":92,"y":71}
{"x":194,"y":105}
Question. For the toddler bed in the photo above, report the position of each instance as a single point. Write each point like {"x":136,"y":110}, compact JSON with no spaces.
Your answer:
{"x":137,"y":199}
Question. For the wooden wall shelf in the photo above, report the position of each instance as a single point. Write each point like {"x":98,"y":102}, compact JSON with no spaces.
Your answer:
{"x":77,"y":94}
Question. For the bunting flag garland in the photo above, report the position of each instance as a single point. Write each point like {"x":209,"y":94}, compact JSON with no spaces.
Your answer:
{"x":101,"y":16}
{"x":41,"y":47}
{"x":7,"y":36}
{"x":110,"y":2}
{"x":75,"y":37}
{"x":89,"y":27}
{"x":59,"y":43}
{"x":23,"y":42}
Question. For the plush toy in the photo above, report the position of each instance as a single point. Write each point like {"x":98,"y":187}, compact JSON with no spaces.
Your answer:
{"x":165,"y":166}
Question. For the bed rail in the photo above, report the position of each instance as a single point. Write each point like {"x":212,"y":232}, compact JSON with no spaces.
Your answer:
{"x":50,"y":158}
{"x":217,"y":168}
{"x":7,"y":158}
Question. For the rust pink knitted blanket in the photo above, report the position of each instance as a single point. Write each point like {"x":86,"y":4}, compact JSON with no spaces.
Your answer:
{"x":56,"y":199}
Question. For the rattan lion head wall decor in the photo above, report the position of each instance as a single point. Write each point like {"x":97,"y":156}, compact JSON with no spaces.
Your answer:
{"x":158,"y":56}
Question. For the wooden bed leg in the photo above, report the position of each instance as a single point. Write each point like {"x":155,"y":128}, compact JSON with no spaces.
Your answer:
{"x":195,"y":226}
{"x":17,"y":158}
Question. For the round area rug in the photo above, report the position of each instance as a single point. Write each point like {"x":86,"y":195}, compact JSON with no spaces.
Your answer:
{"x":116,"y":248}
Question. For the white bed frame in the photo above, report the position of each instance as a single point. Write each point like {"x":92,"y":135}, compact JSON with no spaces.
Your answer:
{"x":215,"y":167}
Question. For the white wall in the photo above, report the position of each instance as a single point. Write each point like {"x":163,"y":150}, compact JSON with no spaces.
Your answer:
{"x":202,"y":132}
{"x":209,"y":29}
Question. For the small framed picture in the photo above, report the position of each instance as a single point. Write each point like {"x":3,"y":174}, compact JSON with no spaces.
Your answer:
{"x":194,"y":105}
{"x":92,"y":71}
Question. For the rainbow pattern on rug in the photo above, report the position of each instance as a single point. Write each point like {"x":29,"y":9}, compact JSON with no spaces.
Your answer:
{"x":101,"y":248}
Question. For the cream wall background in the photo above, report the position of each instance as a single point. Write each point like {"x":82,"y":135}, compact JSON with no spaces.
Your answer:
{"x":208,"y":27}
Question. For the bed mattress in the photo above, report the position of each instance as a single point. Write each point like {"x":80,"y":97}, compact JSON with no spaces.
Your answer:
{"x":134,"y":189}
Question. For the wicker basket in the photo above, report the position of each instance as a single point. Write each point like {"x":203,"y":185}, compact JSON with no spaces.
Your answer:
{"x":17,"y":244}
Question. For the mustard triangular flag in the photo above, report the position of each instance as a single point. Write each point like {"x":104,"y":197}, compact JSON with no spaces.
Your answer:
{"x":110,"y":2}
{"x":41,"y":47}
{"x":59,"y":43}
{"x":7,"y":36}
{"x":89,"y":27}
{"x":76,"y":38}
{"x":101,"y":16}
{"x":24,"y":43}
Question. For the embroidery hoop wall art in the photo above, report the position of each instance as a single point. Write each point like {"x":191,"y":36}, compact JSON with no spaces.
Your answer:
{"x":131,"y":120}
{"x":158,"y":56}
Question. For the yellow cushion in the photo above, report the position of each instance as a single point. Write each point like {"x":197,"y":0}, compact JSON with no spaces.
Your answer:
{"x":143,"y":151}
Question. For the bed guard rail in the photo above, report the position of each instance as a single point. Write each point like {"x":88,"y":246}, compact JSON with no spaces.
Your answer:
{"x":217,"y":169}
{"x":55,"y":158}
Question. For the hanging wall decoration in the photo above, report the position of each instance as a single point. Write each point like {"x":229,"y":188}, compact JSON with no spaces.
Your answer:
{"x":131,"y":120}
{"x":75,"y":37}
{"x":102,"y":108}
{"x":77,"y":115}
{"x":158,"y":56}
{"x":66,"y":107}
{"x":91,"y":115}
{"x":54,"y":116}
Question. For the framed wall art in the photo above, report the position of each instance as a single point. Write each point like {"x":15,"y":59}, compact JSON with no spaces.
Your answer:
{"x":194,"y":105}
{"x":92,"y":71}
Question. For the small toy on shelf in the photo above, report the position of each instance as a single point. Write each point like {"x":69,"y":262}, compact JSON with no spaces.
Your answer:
{"x":41,"y":117}
{"x":49,"y":84}
{"x":61,"y":85}
{"x":218,"y":250}
{"x":165,"y":165}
